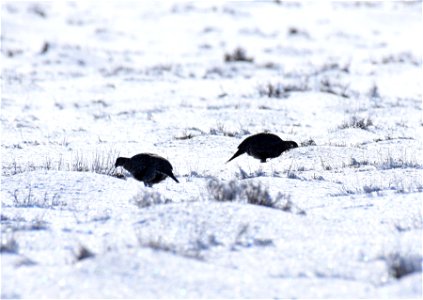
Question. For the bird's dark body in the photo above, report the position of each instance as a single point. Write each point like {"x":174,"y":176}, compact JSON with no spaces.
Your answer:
{"x":263,"y":146}
{"x":147,"y":167}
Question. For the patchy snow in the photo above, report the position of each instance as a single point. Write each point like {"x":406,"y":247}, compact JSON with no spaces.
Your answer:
{"x":84,"y":83}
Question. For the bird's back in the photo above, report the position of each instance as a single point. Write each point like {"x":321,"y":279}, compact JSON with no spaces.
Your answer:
{"x":260,"y":140}
{"x":147,"y":160}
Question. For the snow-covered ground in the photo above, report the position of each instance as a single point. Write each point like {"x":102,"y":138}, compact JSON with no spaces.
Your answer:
{"x":86,"y":82}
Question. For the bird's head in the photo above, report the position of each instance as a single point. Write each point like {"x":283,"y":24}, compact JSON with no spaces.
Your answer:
{"x":120,"y":161}
{"x":292,"y":145}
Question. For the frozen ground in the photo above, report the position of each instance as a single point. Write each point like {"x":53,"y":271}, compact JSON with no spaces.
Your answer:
{"x":339,"y":217}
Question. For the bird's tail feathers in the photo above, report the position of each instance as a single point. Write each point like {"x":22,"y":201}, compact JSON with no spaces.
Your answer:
{"x":238,"y":153}
{"x":170,"y":174}
{"x":174,"y":178}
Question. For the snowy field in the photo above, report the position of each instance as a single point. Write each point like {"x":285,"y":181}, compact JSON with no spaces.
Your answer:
{"x":84,"y":83}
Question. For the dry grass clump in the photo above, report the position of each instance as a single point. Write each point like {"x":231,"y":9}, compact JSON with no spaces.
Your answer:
{"x":258,"y":195}
{"x":224,"y":191}
{"x":238,"y":55}
{"x":221,"y":130}
{"x":242,"y":174}
{"x":355,"y":122}
{"x":405,"y":57}
{"x":25,"y":198}
{"x":309,"y":142}
{"x":193,"y":250}
{"x":251,"y":193}
{"x":386,"y":163}
{"x":100,"y":162}
{"x":393,"y":163}
{"x":184,"y":136}
{"x":336,"y":88}
{"x":295,"y":31}
{"x":146,"y":198}
{"x":281,"y":89}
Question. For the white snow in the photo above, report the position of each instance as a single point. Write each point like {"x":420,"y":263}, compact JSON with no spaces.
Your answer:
{"x":121,"y":78}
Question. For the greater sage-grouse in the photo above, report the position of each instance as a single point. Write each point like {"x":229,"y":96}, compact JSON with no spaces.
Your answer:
{"x":147,"y":167}
{"x":263,"y":146}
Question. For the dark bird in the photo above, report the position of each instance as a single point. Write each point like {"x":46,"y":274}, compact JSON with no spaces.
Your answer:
{"x":147,"y":167}
{"x":263,"y":146}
